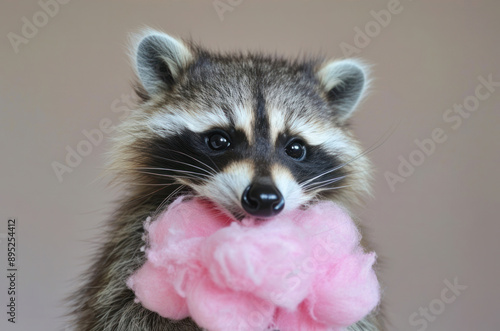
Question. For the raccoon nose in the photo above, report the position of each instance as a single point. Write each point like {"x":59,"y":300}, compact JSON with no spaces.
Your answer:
{"x":262,"y":200}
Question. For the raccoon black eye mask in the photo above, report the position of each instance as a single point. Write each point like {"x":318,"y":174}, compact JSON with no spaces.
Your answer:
{"x":302,"y":270}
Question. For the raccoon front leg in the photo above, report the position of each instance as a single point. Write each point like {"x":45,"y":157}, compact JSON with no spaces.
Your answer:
{"x":369,"y":323}
{"x":104,"y":302}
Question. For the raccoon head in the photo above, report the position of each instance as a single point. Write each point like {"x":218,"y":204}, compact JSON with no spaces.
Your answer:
{"x":256,"y":135}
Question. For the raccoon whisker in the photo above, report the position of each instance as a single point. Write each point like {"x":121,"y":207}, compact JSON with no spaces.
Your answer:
{"x":151,"y":193}
{"x":370,"y":149}
{"x":328,"y":181}
{"x":332,"y":188}
{"x":306,"y":182}
{"x":239,"y":215}
{"x":313,"y":189}
{"x":158,"y":190}
{"x":236,"y":212}
{"x":199,"y":161}
{"x":145,"y":184}
{"x":337,"y":167}
{"x":176,"y":151}
{"x":322,"y":187}
{"x":212,"y":172}
{"x":167,"y":199}
{"x":173,"y":177}
{"x":187,"y":164}
{"x":316,"y":185}
{"x":192,"y":175}
{"x":221,"y":211}
{"x":186,"y":172}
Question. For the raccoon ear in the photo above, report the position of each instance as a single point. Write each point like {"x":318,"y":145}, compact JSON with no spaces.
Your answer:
{"x":344,"y":83}
{"x":159,"y":59}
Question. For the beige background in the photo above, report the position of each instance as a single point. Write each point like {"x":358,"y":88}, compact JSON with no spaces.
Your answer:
{"x":440,"y":223}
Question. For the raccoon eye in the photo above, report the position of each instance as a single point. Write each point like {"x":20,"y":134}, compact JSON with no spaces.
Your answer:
{"x":296,"y":149}
{"x":218,"y":141}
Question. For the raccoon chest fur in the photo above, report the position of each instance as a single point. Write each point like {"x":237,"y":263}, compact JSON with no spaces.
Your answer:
{"x":256,"y":135}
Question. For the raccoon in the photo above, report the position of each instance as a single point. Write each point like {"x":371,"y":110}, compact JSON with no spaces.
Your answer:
{"x":257,"y":135}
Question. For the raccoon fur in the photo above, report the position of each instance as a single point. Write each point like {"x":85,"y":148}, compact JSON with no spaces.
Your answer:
{"x":255,"y":134}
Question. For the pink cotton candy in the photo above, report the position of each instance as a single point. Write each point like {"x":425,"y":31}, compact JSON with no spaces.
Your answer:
{"x":159,"y":291}
{"x":341,"y":295}
{"x":263,"y":258}
{"x":303,"y":270}
{"x":298,"y":320}
{"x":218,"y":309}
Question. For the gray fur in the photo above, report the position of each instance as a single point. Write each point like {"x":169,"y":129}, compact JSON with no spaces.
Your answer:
{"x":203,"y":84}
{"x":346,"y":82}
{"x":159,"y":60}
